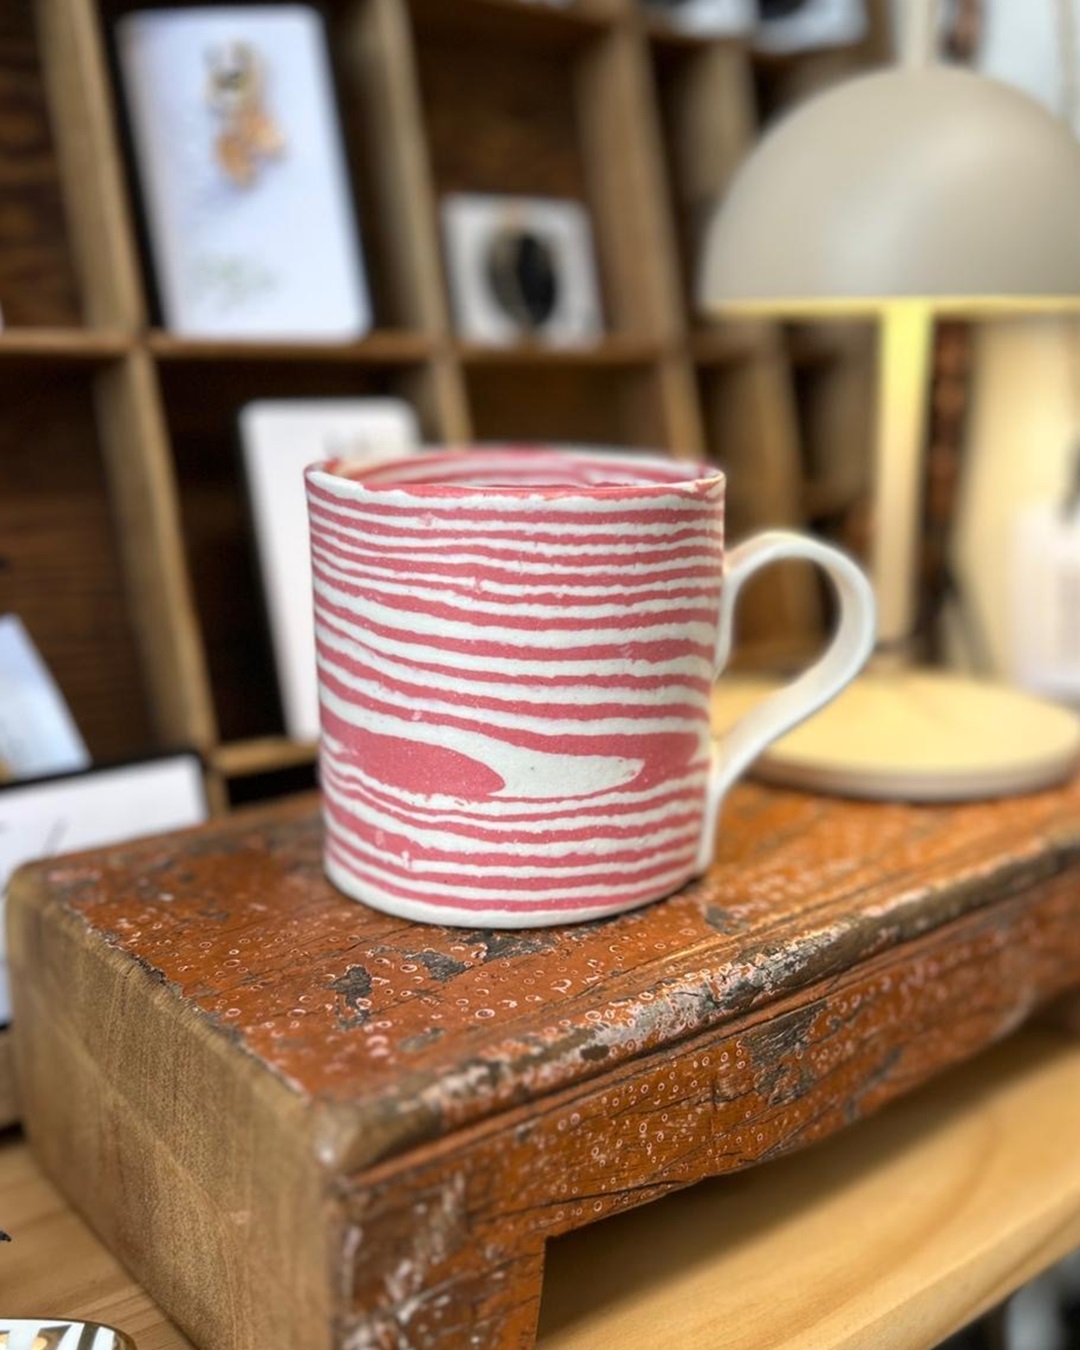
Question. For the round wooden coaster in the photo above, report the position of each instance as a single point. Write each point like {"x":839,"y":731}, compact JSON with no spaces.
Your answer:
{"x":915,"y":736}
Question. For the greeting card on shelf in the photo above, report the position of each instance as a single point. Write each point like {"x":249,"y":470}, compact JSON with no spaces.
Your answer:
{"x":38,"y":734}
{"x":243,"y":174}
{"x":279,"y":438}
{"x":89,"y":810}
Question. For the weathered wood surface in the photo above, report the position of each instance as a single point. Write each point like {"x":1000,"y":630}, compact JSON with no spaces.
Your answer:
{"x":372,"y":1127}
{"x":891,"y":1235}
{"x":9,"y":1096}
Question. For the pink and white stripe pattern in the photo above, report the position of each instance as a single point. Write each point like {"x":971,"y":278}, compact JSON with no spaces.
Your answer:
{"x":516,"y":650}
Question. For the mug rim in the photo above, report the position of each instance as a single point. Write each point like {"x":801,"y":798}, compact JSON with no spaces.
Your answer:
{"x":692,"y":474}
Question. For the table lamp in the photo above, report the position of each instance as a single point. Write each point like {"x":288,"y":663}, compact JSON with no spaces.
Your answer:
{"x":900,"y":195}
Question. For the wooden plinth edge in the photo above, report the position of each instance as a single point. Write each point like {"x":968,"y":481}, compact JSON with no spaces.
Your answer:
{"x":9,"y":1102}
{"x":899,"y":1233}
{"x":747,"y":1093}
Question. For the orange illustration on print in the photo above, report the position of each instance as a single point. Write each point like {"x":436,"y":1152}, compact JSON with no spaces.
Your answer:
{"x":236,"y":92}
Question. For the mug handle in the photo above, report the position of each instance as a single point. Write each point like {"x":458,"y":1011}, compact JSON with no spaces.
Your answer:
{"x":841,"y":661}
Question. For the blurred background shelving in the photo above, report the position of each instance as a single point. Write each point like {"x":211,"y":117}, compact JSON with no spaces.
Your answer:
{"x":124,"y":539}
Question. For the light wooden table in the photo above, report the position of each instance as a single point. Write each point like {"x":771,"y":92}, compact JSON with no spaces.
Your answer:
{"x":893,"y":1234}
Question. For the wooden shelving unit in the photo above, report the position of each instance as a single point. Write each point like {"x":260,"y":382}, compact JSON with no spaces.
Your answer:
{"x":124,"y":539}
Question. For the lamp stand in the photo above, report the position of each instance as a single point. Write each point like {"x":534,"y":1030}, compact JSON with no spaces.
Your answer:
{"x":900,"y":733}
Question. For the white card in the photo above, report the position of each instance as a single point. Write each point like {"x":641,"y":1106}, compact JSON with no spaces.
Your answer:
{"x":813,"y":23}
{"x":476,"y":231}
{"x":92,"y":810}
{"x":243,"y":172}
{"x":1044,"y":603}
{"x":717,"y":18}
{"x":38,"y":734}
{"x":279,"y":439}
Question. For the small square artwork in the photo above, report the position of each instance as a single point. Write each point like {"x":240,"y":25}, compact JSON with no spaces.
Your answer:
{"x":715,"y":18}
{"x":521,"y":269}
{"x":279,"y":438}
{"x":243,"y":174}
{"x":802,"y":25}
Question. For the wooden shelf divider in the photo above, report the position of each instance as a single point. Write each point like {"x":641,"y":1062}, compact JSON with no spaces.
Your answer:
{"x":244,"y":759}
{"x":614,"y":350}
{"x":385,"y":347}
{"x":596,"y":100}
{"x":63,"y":344}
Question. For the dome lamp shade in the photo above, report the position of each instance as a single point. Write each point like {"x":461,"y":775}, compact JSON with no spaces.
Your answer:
{"x":919,"y":181}
{"x":904,"y":194}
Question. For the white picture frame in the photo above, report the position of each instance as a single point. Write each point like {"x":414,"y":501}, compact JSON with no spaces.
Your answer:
{"x":485,"y":237}
{"x":43,"y":817}
{"x":244,"y":182}
{"x":279,"y":438}
{"x":712,"y":18}
{"x":38,"y":735}
{"x":815,"y":23}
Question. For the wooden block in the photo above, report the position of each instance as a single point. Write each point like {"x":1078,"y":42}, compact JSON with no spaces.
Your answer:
{"x":296,"y":1119}
{"x":9,"y":1094}
{"x":892,"y":1235}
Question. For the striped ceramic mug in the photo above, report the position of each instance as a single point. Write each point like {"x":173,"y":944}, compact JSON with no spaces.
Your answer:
{"x":516,"y":650}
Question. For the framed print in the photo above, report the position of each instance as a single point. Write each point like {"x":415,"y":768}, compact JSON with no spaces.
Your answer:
{"x":279,"y":438}
{"x":521,"y":269}
{"x":91,"y":810}
{"x":38,"y":734}
{"x":801,"y":25}
{"x":715,"y":18}
{"x":243,"y":175}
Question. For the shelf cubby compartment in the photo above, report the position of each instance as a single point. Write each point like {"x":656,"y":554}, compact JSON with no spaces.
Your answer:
{"x":750,"y":423}
{"x":202,"y":399}
{"x":705,"y":94}
{"x":567,"y":402}
{"x":834,"y":372}
{"x":379,"y":120}
{"x":529,"y":106}
{"x":39,"y":283}
{"x":61,"y":568}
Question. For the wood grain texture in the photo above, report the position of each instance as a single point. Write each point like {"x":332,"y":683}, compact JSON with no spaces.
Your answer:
{"x":54,"y":1264}
{"x":706,"y":102}
{"x":382,"y":103}
{"x":499,"y":116}
{"x":387,"y":347}
{"x":9,"y":1093}
{"x":614,"y":350}
{"x":202,"y":399}
{"x":157,"y":584}
{"x":750,"y":422}
{"x":63,"y":344}
{"x":892,"y":1235}
{"x":424,"y":1108}
{"x":60,"y":568}
{"x":37,"y":277}
{"x":84,"y":115}
{"x":621,"y":145}
{"x":559,"y":401}
{"x":241,"y":759}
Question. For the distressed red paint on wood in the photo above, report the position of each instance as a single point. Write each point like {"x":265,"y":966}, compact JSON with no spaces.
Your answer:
{"x":363,"y":1131}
